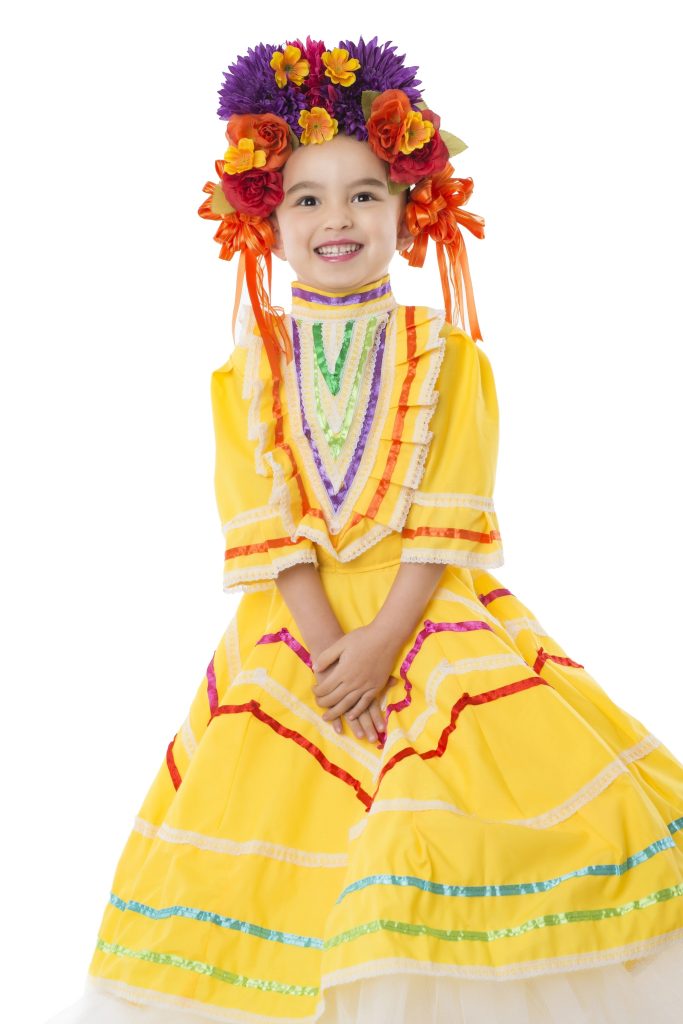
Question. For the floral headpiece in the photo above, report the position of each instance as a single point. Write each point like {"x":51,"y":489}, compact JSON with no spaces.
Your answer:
{"x":279,"y":97}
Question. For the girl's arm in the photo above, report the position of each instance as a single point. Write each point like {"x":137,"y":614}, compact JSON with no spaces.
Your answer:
{"x":411,"y":591}
{"x":304,"y":595}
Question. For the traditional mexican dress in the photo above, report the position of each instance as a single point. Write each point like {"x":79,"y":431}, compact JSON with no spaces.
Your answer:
{"x":512,"y":851}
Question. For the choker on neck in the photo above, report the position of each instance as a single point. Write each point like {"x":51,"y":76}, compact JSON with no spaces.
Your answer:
{"x":311,"y":302}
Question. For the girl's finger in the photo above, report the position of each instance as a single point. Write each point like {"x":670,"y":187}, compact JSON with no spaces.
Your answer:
{"x":363,"y":704}
{"x":378,"y":717}
{"x":331,"y":697}
{"x":368,"y":725}
{"x":343,"y":706}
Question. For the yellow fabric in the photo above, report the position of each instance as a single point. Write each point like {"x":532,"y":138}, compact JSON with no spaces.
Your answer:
{"x":267,"y":487}
{"x":517,"y":821}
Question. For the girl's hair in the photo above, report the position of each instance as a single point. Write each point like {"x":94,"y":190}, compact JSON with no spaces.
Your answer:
{"x":276,"y":98}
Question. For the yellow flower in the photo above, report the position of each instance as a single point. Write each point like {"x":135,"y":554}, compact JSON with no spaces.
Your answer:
{"x":289,"y":66}
{"x":416,"y":132}
{"x":317,"y":125}
{"x":339,"y":67}
{"x":243,"y":157}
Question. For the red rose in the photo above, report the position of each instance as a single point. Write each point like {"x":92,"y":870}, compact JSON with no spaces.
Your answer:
{"x":256,"y":192}
{"x":424,"y":162}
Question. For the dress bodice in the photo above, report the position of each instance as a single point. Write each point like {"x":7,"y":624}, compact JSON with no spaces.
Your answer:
{"x":342,"y":444}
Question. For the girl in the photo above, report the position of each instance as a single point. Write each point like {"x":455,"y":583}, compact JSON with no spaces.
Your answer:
{"x":394,"y":797}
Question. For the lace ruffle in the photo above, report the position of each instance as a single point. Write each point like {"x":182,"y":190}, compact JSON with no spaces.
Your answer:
{"x":401,"y":445}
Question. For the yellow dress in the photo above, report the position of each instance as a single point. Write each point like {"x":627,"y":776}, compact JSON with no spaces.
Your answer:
{"x":512,"y":850}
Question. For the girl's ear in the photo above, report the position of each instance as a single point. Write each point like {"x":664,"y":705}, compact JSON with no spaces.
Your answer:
{"x":403,"y":236}
{"x":277,"y":248}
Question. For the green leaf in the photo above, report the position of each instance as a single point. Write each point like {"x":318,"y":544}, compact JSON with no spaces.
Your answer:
{"x":366,"y":98}
{"x":293,"y":138}
{"x":421,"y":105}
{"x":219,"y":203}
{"x":397,"y":186}
{"x":453,"y":143}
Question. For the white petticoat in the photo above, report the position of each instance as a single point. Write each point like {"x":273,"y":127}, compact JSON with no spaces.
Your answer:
{"x":651,"y":991}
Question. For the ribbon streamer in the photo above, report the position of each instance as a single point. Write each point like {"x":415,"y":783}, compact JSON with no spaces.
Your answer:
{"x":253,"y":238}
{"x":434,"y":211}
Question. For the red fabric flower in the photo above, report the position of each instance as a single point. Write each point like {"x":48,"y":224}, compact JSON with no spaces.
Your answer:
{"x":424,"y":162}
{"x":255,"y":192}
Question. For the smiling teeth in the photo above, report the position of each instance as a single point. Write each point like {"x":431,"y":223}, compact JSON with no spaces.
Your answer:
{"x":336,"y":250}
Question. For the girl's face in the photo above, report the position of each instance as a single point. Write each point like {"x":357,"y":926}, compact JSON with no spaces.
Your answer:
{"x":338,"y":225}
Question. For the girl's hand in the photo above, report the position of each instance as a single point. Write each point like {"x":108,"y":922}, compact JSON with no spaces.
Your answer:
{"x":355,"y":670}
{"x":365,"y":721}
{"x":369,"y":723}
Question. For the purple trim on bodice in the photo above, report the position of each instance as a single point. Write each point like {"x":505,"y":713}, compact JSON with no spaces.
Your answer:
{"x":337,"y":498}
{"x":341,"y":300}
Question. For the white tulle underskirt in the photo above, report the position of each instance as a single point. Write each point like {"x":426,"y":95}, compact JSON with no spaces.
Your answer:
{"x":650,"y":991}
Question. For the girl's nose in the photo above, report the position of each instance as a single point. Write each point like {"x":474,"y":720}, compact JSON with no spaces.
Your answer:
{"x":338,"y":216}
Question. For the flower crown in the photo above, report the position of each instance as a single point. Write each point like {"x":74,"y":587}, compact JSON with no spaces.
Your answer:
{"x":278,"y":98}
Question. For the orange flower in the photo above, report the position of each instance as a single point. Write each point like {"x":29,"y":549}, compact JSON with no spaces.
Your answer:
{"x":339,"y":67}
{"x":389,"y":114}
{"x":243,"y":157}
{"x":268,"y":132}
{"x":289,"y":66}
{"x":318,"y":125}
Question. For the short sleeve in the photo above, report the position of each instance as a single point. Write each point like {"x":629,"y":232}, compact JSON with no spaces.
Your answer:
{"x":258,"y":546}
{"x":452,"y":517}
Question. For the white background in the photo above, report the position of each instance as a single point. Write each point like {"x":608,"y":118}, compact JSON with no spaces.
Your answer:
{"x":117,"y":309}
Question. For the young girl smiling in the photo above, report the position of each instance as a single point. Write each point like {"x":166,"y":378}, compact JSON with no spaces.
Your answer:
{"x":493,"y":838}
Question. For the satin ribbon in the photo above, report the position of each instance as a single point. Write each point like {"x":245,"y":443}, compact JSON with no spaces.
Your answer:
{"x":433,"y":211}
{"x":253,"y":238}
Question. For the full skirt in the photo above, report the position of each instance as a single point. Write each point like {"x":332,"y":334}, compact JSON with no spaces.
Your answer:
{"x":509,"y":851}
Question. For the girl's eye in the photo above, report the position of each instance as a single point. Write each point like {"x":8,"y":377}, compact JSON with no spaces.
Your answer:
{"x":302,"y":201}
{"x":368,"y":194}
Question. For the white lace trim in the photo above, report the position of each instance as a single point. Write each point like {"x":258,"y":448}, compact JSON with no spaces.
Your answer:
{"x":451,"y":499}
{"x":234,"y":848}
{"x":422,"y":436}
{"x":336,"y":519}
{"x":188,"y":737}
{"x":231,"y":642}
{"x":252,"y":390}
{"x":248,"y":588}
{"x":249,"y":516}
{"x":463,"y":559}
{"x":233,"y":577}
{"x":547,"y":819}
{"x":515,"y":626}
{"x":521,"y":969}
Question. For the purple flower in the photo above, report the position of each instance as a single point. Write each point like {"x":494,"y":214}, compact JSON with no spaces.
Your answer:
{"x":381,"y":69}
{"x":250,"y":86}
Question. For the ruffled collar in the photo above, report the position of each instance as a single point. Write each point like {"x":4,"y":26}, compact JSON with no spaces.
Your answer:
{"x":371,"y":299}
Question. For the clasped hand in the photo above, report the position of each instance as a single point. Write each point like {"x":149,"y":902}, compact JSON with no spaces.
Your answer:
{"x":352,"y":672}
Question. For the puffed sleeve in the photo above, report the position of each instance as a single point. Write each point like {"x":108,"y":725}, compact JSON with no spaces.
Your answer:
{"x":452,"y":517}
{"x":258,"y":546}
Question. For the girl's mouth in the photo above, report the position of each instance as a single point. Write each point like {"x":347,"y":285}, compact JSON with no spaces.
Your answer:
{"x":338,"y":253}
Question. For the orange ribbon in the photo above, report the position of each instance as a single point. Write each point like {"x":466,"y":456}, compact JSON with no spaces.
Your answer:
{"x":433,"y":211}
{"x":253,"y":238}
